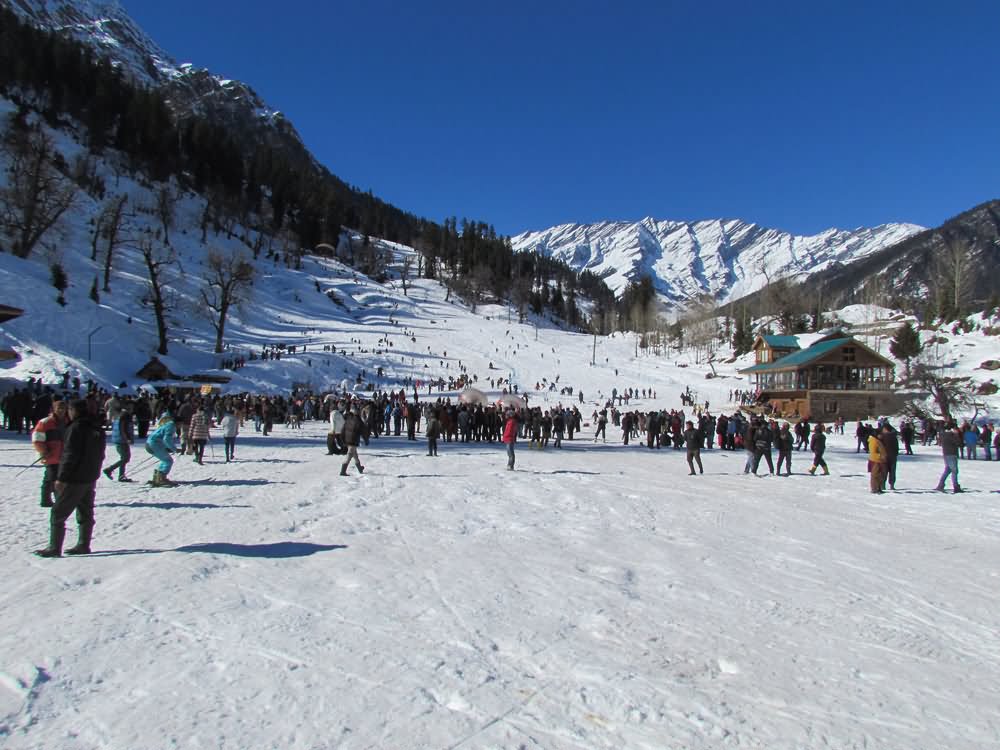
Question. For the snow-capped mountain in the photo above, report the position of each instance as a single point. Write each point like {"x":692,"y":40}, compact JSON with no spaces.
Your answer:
{"x":724,"y":258}
{"x":107,"y":28}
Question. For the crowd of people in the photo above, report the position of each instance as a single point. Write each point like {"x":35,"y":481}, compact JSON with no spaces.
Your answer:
{"x":70,"y":432}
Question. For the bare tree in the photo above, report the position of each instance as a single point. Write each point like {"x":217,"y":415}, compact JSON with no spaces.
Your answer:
{"x":228,"y":278}
{"x":702,"y":329}
{"x":950,"y":393}
{"x":405,"y":269}
{"x":111,"y":226}
{"x":166,"y":201}
{"x":957,"y":274}
{"x":156,"y":259}
{"x":37,"y":193}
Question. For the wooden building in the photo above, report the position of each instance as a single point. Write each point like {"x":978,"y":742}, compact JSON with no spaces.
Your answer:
{"x":836,"y":376}
{"x":9,"y":313}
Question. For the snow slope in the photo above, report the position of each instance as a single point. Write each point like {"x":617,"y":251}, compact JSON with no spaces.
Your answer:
{"x":725,"y":258}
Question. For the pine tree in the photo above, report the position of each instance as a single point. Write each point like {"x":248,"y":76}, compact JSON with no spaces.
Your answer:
{"x":905,"y":345}
{"x":743,"y":335}
{"x":59,"y":280}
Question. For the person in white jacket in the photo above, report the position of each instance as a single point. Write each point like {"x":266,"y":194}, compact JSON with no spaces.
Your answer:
{"x":334,"y":440}
{"x":230,"y":426}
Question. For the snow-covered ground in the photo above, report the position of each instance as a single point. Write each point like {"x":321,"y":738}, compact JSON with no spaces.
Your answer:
{"x":596,"y":597}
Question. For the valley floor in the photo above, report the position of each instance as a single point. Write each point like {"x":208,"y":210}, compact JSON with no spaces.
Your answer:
{"x":595,"y":597}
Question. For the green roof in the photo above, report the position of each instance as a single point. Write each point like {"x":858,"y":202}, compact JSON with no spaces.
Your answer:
{"x":781,"y":342}
{"x":802,"y":356}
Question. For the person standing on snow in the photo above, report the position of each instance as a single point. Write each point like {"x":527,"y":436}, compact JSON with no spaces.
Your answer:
{"x":230,"y":426}
{"x":877,"y":459}
{"x":890,"y":441}
{"x":785,"y":442}
{"x":432,"y":431}
{"x":47,"y":439}
{"x":121,"y":437}
{"x":510,"y":437}
{"x":951,"y":439}
{"x":76,"y":480}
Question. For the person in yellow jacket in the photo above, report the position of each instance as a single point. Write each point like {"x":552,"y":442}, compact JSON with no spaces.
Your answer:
{"x":877,"y":461}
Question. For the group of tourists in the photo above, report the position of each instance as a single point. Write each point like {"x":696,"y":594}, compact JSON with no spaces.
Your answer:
{"x":69,"y":435}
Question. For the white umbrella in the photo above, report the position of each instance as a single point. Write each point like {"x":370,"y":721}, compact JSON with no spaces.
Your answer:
{"x":473,"y":396}
{"x":514,"y":400}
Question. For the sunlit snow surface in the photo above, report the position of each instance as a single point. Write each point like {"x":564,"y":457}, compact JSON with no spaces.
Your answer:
{"x":596,"y":597}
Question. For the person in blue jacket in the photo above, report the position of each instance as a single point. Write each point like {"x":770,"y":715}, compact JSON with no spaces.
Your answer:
{"x":970,"y":436}
{"x":161,"y":443}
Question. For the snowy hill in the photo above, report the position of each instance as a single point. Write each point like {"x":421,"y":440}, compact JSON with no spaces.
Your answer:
{"x":726,"y":259}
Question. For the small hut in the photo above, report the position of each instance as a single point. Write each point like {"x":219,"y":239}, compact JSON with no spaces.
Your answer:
{"x":9,"y":313}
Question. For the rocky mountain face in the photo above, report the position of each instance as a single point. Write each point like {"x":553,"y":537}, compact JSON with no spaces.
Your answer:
{"x":107,"y":28}
{"x":962,"y":256}
{"x":723,"y":259}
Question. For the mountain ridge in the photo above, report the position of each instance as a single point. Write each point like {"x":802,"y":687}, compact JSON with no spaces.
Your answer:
{"x":687,"y":260}
{"x":190,"y":91}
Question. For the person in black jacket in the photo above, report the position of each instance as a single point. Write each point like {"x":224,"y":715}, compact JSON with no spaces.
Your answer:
{"x":818,"y":447}
{"x":762,"y":439}
{"x":785,"y":443}
{"x":890,"y":439}
{"x":693,"y":440}
{"x":76,"y":480}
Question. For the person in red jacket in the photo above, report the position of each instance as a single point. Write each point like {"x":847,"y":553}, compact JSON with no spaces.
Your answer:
{"x":47,"y":438}
{"x":510,"y":437}
{"x":76,"y":480}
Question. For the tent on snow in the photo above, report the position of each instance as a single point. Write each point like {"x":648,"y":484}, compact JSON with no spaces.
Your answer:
{"x":473,"y":396}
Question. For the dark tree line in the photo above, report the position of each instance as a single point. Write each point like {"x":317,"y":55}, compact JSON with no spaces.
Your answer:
{"x":273,"y":189}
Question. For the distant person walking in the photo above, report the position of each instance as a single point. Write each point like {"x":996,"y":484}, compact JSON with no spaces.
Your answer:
{"x":121,"y":438}
{"x":951,"y":440}
{"x":692,"y":441}
{"x":818,"y":447}
{"x":353,"y":429}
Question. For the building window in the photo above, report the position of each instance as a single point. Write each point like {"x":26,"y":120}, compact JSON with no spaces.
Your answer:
{"x":848,"y":352}
{"x":830,"y":407}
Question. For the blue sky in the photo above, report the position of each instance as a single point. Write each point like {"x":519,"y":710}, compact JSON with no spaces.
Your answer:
{"x":795,"y":115}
